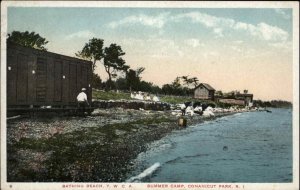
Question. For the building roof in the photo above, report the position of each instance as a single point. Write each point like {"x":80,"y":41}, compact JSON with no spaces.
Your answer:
{"x":245,"y":95}
{"x":207,"y":86}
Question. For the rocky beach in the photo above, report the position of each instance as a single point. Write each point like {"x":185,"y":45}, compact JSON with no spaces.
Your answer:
{"x":96,"y":148}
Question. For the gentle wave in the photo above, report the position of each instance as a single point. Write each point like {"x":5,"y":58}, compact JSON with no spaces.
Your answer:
{"x":182,"y":159}
{"x":165,"y":146}
{"x":149,"y":171}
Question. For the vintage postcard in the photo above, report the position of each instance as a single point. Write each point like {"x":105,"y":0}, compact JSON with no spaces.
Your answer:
{"x":180,"y":95}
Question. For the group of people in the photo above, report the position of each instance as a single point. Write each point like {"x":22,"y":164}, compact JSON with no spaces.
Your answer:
{"x":143,"y":96}
{"x":195,"y":107}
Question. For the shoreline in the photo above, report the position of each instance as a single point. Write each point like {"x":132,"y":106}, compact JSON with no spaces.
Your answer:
{"x":99,"y":148}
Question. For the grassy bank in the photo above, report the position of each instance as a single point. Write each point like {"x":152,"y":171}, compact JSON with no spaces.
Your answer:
{"x":112,"y":95}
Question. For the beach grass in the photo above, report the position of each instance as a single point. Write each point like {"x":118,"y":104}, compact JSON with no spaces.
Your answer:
{"x":110,"y":95}
{"x":113,"y":95}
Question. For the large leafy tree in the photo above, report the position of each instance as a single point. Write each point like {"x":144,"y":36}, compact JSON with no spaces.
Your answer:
{"x":133,"y":78}
{"x":96,"y":81}
{"x":92,"y":51}
{"x":28,"y":39}
{"x":113,"y":61}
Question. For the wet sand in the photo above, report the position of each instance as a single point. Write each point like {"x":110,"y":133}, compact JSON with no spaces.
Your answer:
{"x":96,"y":148}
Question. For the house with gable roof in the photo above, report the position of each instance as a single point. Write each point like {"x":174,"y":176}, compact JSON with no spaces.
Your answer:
{"x":204,"y":91}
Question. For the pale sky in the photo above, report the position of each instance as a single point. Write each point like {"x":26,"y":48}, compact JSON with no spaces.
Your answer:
{"x":229,"y":48}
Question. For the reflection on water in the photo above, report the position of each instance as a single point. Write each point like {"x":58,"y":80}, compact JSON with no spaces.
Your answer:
{"x":247,"y":147}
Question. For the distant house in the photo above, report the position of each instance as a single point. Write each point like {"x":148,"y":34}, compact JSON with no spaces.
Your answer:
{"x":231,"y":101}
{"x":248,"y":98}
{"x":204,"y":91}
{"x":238,"y":99}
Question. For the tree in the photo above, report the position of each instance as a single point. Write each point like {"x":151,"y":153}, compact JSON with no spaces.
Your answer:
{"x":139,"y":71}
{"x":149,"y":87}
{"x":133,"y":78}
{"x":113,"y":61}
{"x":175,"y":88}
{"x":121,"y":84}
{"x":185,"y":80}
{"x":176,"y":83}
{"x":155,"y":89}
{"x":195,"y":81}
{"x":219,"y":93}
{"x":167,"y":89}
{"x":96,"y":82}
{"x":28,"y":39}
{"x":92,"y":51}
{"x":188,"y":81}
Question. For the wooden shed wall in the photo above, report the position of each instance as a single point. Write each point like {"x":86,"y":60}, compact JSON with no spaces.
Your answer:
{"x":38,"y":78}
{"x":201,"y":93}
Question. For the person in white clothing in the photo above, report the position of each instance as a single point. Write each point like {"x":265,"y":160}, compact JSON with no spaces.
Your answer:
{"x":82,"y":97}
{"x":148,"y":98}
{"x":82,"y":101}
{"x":139,"y":96}
{"x":132,"y":95}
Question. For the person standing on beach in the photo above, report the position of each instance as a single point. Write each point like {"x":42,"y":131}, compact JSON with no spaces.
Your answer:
{"x":82,"y":101}
{"x":182,"y":108}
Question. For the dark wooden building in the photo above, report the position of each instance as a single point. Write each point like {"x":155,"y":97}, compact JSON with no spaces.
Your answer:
{"x":204,"y":91}
{"x":39,"y":78}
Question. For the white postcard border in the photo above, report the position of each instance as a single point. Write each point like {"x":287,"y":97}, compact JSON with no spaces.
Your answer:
{"x":147,"y":4}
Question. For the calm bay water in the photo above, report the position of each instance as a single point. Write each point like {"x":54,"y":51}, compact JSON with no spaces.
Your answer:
{"x":245,"y":147}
